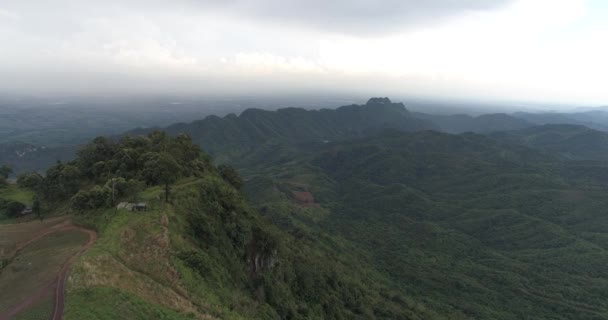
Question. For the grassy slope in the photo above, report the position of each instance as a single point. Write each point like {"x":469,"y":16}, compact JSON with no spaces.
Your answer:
{"x":137,"y":258}
{"x":131,"y":260}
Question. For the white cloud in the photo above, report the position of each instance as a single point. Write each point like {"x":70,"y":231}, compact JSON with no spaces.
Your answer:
{"x":526,"y":49}
{"x":269,"y":63}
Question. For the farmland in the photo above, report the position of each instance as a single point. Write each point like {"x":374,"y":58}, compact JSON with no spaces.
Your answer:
{"x":35,"y":259}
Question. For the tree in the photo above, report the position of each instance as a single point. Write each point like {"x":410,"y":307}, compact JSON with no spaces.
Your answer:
{"x":32,"y":181}
{"x":36,"y":210}
{"x":14,"y":208}
{"x":162,"y":168}
{"x":5,"y":171}
{"x":231,"y":176}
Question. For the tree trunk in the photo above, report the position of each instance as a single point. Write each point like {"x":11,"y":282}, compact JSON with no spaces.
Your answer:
{"x":166,"y":192}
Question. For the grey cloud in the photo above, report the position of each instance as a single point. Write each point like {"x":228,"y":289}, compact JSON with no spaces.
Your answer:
{"x":354,"y":16}
{"x":342,"y":16}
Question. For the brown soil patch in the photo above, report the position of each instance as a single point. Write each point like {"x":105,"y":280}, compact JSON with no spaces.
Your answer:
{"x":305,"y":199}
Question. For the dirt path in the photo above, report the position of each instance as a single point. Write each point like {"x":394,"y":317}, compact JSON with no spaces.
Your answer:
{"x":60,"y":288}
{"x":59,"y":282}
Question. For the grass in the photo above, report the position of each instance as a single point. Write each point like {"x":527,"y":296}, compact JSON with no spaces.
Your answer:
{"x":117,"y":304}
{"x":36,"y":266}
{"x":131,"y":258}
{"x":14,"y":193}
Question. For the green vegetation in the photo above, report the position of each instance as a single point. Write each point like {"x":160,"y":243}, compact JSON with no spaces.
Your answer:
{"x":469,"y":226}
{"x":205,"y":251}
{"x":116,"y":304}
{"x":349,"y":216}
{"x":12,"y":200}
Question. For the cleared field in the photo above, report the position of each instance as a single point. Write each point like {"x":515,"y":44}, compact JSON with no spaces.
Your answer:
{"x":14,"y":236}
{"x":39,"y":310}
{"x":32,"y":273}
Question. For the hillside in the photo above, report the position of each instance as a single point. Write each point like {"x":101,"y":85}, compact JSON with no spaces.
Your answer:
{"x":440,"y":214}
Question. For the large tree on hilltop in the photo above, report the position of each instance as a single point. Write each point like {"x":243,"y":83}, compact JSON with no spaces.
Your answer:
{"x":162,"y":168}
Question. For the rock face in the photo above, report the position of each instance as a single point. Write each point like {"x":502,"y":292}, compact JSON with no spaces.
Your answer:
{"x":378,"y":101}
{"x":262,"y":252}
{"x":262,"y":262}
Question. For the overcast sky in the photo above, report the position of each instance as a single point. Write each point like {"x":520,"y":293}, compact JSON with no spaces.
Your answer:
{"x":537,"y":50}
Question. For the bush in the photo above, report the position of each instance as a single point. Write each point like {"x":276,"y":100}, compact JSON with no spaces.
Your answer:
{"x":97,"y":197}
{"x":231,"y":176}
{"x":30,"y":180}
{"x":14,"y":209}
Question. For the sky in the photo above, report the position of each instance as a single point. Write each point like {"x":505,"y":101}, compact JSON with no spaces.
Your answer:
{"x":512,"y":50}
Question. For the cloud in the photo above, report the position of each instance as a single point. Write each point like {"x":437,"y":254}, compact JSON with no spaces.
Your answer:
{"x":540,"y":49}
{"x":355,"y":17}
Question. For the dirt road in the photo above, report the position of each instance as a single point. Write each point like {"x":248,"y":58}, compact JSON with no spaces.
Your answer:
{"x":61,"y":278}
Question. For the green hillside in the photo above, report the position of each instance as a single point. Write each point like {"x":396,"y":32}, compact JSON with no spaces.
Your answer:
{"x":200,"y":250}
{"x":471,"y":227}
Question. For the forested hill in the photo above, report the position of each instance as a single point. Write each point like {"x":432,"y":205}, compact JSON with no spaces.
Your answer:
{"x":474,"y":227}
{"x":293,"y":125}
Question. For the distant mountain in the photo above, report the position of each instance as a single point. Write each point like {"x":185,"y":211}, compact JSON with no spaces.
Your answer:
{"x":232,"y":136}
{"x":593,"y":119}
{"x":573,"y":142}
{"x":235,"y":135}
{"x":460,"y":123}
